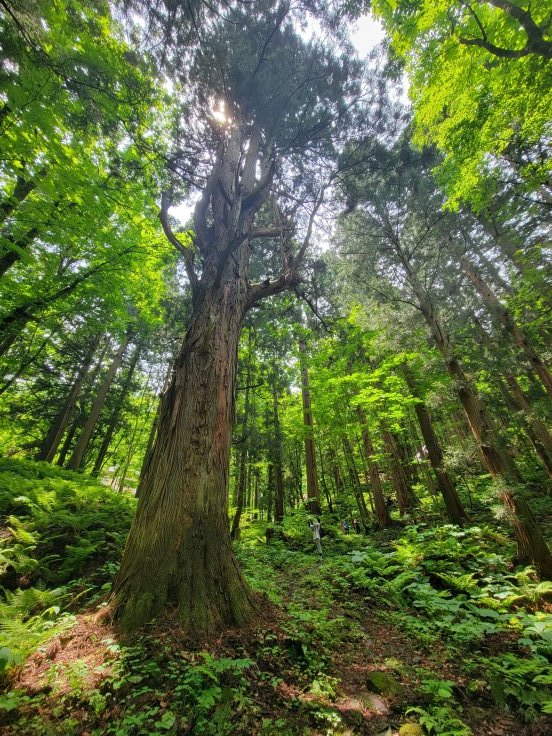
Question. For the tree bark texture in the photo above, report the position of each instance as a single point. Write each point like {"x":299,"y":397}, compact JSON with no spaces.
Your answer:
{"x":179,"y":549}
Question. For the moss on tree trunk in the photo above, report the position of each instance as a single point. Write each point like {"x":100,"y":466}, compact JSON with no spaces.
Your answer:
{"x":179,"y":550}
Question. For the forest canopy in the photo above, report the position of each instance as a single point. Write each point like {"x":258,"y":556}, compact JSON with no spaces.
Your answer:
{"x":275,"y":367}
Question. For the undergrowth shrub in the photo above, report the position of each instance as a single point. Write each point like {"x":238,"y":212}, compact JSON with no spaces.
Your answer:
{"x":61,"y":537}
{"x":57,"y":526}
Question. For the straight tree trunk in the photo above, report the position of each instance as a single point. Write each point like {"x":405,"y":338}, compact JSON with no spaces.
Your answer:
{"x":77,"y":458}
{"x":495,"y":306}
{"x":53,"y":438}
{"x":242,"y":473}
{"x":515,"y":399}
{"x":323,"y":481}
{"x":136,"y":433}
{"x":75,"y":424}
{"x":406,"y":498}
{"x":336,"y":472}
{"x":445,"y":484}
{"x":155,"y":424}
{"x":313,"y":491}
{"x":277,"y":460}
{"x":116,"y":413}
{"x":242,"y":479}
{"x":353,"y":475}
{"x":382,"y":513}
{"x":495,"y":453}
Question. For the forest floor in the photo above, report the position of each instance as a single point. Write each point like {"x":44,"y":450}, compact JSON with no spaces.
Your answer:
{"x":410,"y":631}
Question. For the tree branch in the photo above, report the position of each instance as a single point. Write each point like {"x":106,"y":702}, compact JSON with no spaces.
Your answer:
{"x":173,"y":240}
{"x":305,"y":244}
{"x":535,"y":43}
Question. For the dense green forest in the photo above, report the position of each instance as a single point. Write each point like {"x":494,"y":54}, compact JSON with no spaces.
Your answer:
{"x":275,"y":367}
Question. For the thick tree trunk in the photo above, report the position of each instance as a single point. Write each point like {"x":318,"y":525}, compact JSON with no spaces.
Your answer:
{"x":77,"y":458}
{"x":382,"y":513}
{"x":495,"y":306}
{"x":57,"y":430}
{"x":445,"y":484}
{"x":313,"y":491}
{"x":179,"y":549}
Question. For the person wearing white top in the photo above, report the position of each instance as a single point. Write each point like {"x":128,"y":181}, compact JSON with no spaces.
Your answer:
{"x":315,"y":527}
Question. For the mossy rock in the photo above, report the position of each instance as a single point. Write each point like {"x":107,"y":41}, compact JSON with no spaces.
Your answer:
{"x":383,"y":683}
{"x":411,"y":729}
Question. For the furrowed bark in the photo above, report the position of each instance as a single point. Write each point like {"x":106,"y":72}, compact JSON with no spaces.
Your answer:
{"x":179,"y":550}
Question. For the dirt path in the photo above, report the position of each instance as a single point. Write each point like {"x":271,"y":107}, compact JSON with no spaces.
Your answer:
{"x":379,"y":672}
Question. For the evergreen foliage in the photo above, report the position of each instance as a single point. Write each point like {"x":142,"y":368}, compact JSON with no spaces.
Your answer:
{"x":244,"y":286}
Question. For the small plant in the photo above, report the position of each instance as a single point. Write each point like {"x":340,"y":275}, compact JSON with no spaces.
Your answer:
{"x":440,"y":720}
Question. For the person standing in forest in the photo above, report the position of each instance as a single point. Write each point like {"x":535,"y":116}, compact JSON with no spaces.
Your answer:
{"x":315,"y":528}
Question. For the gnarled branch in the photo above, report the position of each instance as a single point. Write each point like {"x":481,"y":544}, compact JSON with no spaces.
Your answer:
{"x":173,"y":240}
